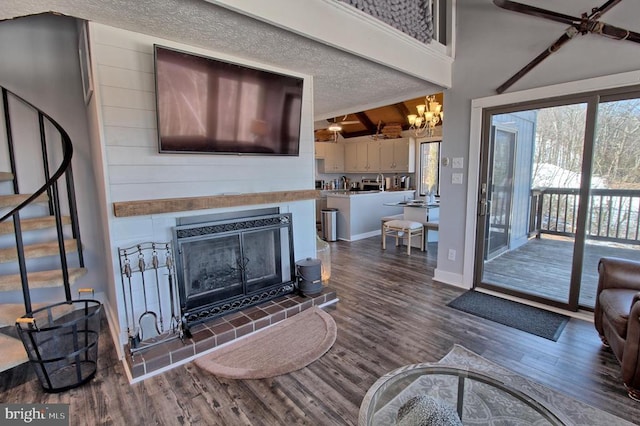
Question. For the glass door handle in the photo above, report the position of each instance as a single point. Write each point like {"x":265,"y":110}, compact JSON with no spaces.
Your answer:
{"x":482,"y":211}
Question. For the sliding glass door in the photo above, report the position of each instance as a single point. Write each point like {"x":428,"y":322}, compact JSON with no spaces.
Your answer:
{"x":532,"y":164}
{"x":612,"y":222}
{"x":559,"y":189}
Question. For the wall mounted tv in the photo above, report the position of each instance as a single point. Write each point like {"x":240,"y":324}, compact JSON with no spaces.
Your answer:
{"x":205,"y":105}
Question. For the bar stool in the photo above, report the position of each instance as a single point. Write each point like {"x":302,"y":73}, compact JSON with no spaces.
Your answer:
{"x":398,"y":228}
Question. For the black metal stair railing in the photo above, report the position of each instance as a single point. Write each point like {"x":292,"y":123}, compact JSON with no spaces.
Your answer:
{"x":51,"y":187}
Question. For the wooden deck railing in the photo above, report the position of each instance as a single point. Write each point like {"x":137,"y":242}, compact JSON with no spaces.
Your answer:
{"x":614,"y":214}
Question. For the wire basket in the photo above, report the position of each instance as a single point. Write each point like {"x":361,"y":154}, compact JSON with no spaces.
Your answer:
{"x":61,"y":341}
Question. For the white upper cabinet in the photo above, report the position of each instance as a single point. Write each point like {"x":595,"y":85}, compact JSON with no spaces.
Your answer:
{"x":397,"y":155}
{"x":373,"y":156}
{"x":362,"y":157}
{"x":320,"y":149}
{"x":333,"y":155}
{"x":351,"y":157}
{"x":387,"y":163}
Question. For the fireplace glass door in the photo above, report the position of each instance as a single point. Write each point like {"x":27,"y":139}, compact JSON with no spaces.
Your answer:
{"x":262,"y":266}
{"x":226,"y":265}
{"x":212,"y":269}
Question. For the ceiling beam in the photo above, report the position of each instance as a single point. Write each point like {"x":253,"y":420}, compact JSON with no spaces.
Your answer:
{"x":364,"y":119}
{"x":404,"y":111}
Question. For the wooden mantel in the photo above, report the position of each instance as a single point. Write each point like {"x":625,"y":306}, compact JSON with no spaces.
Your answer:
{"x":170,"y":205}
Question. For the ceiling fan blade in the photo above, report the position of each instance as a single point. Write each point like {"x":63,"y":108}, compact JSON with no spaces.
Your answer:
{"x":536,"y":11}
{"x":615,"y":32}
{"x":596,"y":13}
{"x":568,"y":35}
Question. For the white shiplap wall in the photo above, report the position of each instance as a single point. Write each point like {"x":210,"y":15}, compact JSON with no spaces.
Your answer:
{"x":134,"y":170}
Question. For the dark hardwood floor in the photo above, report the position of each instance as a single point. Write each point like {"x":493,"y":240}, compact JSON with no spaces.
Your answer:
{"x":390,"y":314}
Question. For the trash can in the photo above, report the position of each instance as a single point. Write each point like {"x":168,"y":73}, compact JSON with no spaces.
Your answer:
{"x":61,"y":341}
{"x":328,"y":222}
{"x":309,"y":276}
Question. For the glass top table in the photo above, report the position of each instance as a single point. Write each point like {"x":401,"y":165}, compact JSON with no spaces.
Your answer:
{"x":476,"y":397}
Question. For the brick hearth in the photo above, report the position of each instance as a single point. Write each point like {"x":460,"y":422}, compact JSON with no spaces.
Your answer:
{"x":220,"y":331}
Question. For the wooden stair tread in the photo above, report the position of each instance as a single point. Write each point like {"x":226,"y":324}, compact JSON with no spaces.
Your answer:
{"x":37,"y":250}
{"x":6,"y":176}
{"x":9,"y":312}
{"x":40,"y":279}
{"x":13,"y":352}
{"x":32,"y":224}
{"x":13,"y":200}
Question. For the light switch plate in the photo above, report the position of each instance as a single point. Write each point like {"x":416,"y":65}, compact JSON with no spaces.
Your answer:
{"x":458,"y":162}
{"x":456,"y":178}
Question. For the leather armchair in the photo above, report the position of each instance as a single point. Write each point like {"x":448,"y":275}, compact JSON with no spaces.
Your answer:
{"x":617,"y":316}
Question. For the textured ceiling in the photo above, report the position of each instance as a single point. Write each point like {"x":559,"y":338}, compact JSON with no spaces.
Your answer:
{"x":342,"y":82}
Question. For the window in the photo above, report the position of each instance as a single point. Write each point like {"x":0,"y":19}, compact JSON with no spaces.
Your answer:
{"x":429,"y":168}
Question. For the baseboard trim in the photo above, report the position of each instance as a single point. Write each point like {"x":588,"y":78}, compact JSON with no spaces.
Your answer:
{"x":449,"y":278}
{"x":112,"y":321}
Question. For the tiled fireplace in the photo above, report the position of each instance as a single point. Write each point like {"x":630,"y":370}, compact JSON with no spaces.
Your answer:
{"x":235,"y":275}
{"x":232,"y":263}
{"x":208,"y":335}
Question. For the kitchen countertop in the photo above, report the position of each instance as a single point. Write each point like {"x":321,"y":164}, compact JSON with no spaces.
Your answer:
{"x":344,"y":193}
{"x":414,"y":203}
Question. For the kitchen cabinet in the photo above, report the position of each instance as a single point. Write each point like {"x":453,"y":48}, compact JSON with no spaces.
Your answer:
{"x":397,"y":155}
{"x":351,"y":157}
{"x":362,"y":157}
{"x":320,"y":150}
{"x":372,"y":163}
{"x":332,"y":155}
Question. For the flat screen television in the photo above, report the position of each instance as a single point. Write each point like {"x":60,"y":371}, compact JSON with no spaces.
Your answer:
{"x":205,"y":105}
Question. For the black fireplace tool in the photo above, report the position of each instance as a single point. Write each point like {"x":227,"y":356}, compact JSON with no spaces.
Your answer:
{"x":149,"y":328}
{"x":148,"y":319}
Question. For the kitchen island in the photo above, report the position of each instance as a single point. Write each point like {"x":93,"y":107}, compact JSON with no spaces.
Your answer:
{"x":360,"y":212}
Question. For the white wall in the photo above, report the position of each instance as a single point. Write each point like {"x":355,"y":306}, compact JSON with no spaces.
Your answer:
{"x":40,"y":63}
{"x":493,"y":44}
{"x":134,"y":170}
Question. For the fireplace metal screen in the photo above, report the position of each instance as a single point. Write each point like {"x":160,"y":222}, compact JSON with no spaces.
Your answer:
{"x":230,"y":264}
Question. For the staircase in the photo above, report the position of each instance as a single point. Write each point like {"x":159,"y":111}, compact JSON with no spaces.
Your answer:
{"x":40,"y":243}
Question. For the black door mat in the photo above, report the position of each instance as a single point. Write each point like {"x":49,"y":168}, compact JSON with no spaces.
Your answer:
{"x":513,"y":314}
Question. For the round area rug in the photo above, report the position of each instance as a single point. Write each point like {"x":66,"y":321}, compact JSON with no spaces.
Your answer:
{"x":287,"y":346}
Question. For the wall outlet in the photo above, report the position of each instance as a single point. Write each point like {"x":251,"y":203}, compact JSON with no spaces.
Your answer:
{"x":452,"y":254}
{"x":456,"y":178}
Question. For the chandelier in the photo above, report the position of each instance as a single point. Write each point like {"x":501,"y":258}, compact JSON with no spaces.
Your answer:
{"x":429,"y":115}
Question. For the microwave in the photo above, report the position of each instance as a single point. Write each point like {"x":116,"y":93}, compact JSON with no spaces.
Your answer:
{"x":370,"y":185}
{"x":319,"y":184}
